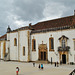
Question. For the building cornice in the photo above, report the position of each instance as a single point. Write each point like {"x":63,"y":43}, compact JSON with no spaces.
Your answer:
{"x":53,"y":29}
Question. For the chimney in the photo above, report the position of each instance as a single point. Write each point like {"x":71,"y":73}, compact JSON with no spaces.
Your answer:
{"x":30,"y":26}
{"x":74,"y":12}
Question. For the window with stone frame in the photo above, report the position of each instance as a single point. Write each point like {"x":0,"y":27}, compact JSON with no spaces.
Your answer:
{"x":63,"y":43}
{"x":51,"y":44}
{"x":33,"y":45}
{"x":15,"y":42}
{"x":23,"y":51}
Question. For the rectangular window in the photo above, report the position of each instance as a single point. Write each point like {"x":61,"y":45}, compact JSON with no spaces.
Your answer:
{"x":63,"y":43}
{"x":15,"y":42}
{"x":23,"y":51}
{"x":33,"y":45}
{"x":52,"y":46}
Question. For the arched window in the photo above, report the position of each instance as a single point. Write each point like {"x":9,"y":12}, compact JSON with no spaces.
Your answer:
{"x":51,"y":44}
{"x":15,"y":42}
{"x":23,"y":51}
{"x":33,"y":45}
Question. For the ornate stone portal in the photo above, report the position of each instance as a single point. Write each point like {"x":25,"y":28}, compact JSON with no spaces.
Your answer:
{"x":63,"y":57}
{"x":63,"y":49}
{"x":43,"y":55}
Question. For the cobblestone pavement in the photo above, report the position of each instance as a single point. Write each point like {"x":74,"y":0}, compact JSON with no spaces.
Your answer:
{"x":9,"y":68}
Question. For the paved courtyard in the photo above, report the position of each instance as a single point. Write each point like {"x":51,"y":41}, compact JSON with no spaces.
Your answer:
{"x":9,"y":68}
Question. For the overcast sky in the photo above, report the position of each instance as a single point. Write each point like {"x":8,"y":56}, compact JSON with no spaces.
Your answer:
{"x":18,"y":13}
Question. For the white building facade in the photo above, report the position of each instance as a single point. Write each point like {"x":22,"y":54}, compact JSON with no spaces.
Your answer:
{"x":50,"y":41}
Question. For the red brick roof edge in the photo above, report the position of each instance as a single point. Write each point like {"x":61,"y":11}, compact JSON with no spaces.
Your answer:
{"x":3,"y":36}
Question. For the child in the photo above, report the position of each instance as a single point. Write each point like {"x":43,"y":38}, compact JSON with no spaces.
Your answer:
{"x":34,"y":64}
{"x":57,"y":63}
{"x":41,"y":66}
{"x":17,"y":70}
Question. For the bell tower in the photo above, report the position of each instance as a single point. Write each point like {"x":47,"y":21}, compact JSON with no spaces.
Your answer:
{"x":8,"y":29}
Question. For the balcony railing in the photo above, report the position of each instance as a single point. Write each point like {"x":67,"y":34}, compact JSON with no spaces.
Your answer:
{"x":73,"y":72}
{"x":63,"y":49}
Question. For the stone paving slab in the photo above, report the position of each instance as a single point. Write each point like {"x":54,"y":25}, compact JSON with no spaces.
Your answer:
{"x":9,"y":68}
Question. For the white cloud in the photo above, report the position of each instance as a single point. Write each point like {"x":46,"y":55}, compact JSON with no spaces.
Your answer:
{"x":53,"y":10}
{"x":17,"y":13}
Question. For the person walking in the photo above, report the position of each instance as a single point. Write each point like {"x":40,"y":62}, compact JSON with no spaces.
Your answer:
{"x":39,"y":66}
{"x":60,"y":62}
{"x":33,"y":64}
{"x":17,"y":70}
{"x":55,"y":64}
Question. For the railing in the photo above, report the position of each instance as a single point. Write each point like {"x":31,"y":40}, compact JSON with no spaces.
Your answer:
{"x":73,"y":72}
{"x":63,"y":49}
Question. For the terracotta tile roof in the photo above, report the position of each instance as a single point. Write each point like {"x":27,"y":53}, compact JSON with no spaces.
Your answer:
{"x":60,"y":22}
{"x":26,"y":27}
{"x":3,"y":37}
{"x":22,"y":28}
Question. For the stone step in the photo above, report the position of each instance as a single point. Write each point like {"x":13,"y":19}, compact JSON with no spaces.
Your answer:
{"x":43,"y":62}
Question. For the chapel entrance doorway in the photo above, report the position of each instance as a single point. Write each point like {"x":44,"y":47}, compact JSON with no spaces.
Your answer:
{"x":64,"y":59}
{"x":42,"y":52}
{"x":43,"y":56}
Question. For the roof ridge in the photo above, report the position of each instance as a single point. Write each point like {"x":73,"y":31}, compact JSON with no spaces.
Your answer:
{"x":64,"y":21}
{"x":55,"y":19}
